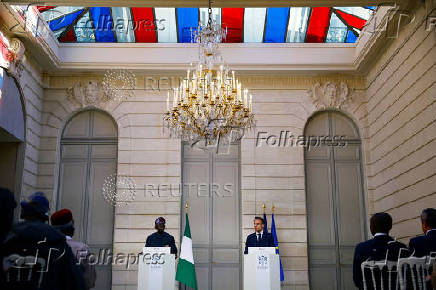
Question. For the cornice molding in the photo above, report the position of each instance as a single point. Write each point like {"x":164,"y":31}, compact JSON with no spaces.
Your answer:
{"x":150,"y":82}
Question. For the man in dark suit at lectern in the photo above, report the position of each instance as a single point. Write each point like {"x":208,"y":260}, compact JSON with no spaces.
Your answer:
{"x":259,"y":238}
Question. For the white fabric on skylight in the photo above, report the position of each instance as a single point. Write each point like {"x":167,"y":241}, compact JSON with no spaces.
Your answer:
{"x":166,"y":24}
{"x":58,"y":11}
{"x":204,"y":15}
{"x":358,"y":11}
{"x":254,"y":24}
{"x":297,"y":26}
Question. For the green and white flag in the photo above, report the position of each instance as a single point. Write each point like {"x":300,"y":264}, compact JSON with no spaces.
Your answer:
{"x":186,"y":269}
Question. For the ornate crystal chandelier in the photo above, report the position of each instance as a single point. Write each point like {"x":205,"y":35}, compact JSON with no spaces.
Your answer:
{"x":210,"y":105}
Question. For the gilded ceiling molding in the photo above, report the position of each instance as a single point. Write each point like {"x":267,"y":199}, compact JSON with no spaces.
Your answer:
{"x":330,"y":95}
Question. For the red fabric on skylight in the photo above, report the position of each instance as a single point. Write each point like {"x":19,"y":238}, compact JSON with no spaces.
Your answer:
{"x":70,"y":36}
{"x":351,"y":20}
{"x":44,"y":8}
{"x":144,"y":24}
{"x":318,"y":24}
{"x":233,"y":20}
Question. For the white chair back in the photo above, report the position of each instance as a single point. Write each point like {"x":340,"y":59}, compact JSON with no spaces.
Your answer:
{"x":417,"y":269}
{"x":377,"y":270}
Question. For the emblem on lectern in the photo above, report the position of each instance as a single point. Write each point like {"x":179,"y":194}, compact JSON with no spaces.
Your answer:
{"x":262,"y":262}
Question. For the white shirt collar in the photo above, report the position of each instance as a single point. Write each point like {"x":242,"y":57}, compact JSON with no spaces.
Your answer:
{"x":68,"y":237}
{"x":430,"y":231}
{"x":380,"y":234}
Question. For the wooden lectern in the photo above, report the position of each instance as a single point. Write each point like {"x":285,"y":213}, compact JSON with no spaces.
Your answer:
{"x":261,"y":269}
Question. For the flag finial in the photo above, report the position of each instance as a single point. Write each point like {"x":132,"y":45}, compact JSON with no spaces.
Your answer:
{"x":263,"y":206}
{"x":186,"y":207}
{"x":272,"y":208}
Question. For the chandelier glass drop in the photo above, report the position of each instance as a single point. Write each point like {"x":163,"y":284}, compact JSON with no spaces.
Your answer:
{"x":210,"y":105}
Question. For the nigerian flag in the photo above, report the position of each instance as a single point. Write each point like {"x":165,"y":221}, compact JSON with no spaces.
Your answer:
{"x":186,"y":269}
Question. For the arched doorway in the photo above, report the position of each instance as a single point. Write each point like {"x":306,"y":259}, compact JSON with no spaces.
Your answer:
{"x":335,"y":200}
{"x":12,"y":134}
{"x":89,"y":155}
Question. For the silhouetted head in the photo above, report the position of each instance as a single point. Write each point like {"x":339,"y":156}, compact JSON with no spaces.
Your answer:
{"x":63,"y":221}
{"x":35,"y":207}
{"x":381,"y":222}
{"x":428,"y":219}
{"x":159,"y":224}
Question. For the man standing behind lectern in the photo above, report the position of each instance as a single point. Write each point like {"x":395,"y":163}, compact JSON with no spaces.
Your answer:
{"x":259,"y":238}
{"x":161,"y":238}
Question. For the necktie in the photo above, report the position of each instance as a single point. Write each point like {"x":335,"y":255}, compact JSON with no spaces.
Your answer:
{"x":258,"y":237}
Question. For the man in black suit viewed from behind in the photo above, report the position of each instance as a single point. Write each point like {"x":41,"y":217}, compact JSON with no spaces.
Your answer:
{"x":377,"y":247}
{"x":424,"y":245}
{"x":259,"y":238}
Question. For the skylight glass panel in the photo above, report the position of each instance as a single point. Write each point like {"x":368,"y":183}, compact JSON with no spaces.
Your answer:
{"x":276,"y":24}
{"x":123,"y":24}
{"x":171,"y":25}
{"x":337,"y":30}
{"x":84,"y":30}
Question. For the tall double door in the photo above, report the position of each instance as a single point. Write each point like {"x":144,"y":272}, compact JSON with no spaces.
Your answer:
{"x":88,"y":159}
{"x":335,"y":201}
{"x":211,"y":189}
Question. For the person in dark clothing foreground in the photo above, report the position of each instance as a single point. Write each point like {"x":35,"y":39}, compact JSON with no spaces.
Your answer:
{"x":7,"y":206}
{"x":63,"y":221}
{"x":424,"y":245}
{"x":161,"y":238}
{"x":36,"y":256}
{"x":377,"y":247}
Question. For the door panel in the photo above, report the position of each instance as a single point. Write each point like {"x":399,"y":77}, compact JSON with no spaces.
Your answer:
{"x":101,"y":213}
{"x":195,"y":177}
{"x":72,"y":192}
{"x":320,"y":203}
{"x":214,"y":216}
{"x":349,"y":193}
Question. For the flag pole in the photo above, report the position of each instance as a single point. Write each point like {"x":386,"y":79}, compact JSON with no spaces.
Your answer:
{"x":186,"y":208}
{"x":272,"y":208}
{"x":263,"y":206}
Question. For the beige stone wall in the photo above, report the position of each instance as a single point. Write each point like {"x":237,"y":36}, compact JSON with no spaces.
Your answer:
{"x":31,"y":85}
{"x":401,"y":127}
